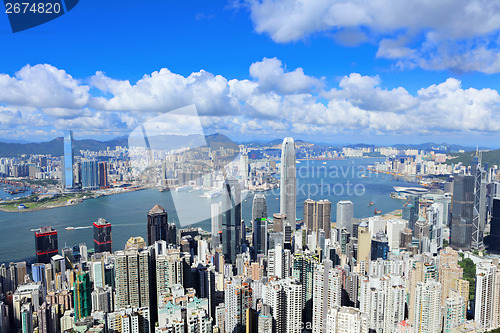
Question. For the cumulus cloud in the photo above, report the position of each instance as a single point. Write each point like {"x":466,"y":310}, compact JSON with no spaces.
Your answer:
{"x":43,"y":86}
{"x":429,"y":34}
{"x":164,"y":91}
{"x":365,"y":92}
{"x":274,"y":100}
{"x":271,"y":76}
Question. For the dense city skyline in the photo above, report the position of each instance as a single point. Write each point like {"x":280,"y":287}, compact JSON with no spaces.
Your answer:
{"x":250,"y":166}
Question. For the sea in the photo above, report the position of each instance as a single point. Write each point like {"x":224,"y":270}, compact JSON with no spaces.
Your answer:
{"x":335,"y":180}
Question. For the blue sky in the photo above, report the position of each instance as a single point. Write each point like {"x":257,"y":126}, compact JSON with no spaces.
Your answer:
{"x":337,"y":71}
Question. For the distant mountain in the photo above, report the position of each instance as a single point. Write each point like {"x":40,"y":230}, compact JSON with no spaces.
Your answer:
{"x":55,"y":147}
{"x":275,"y":142}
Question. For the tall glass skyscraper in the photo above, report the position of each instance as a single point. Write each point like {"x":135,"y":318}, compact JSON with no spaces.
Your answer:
{"x":90,"y":178}
{"x":68,"y":159}
{"x":462,"y":212}
{"x":259,"y":207}
{"x":231,"y":222}
{"x":288,"y":185}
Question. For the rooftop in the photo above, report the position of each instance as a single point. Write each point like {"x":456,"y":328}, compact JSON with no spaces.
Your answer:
{"x":157,"y":209}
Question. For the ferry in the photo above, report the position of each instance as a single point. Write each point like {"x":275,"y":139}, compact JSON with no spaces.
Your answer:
{"x":183,"y":188}
{"x":213,"y":194}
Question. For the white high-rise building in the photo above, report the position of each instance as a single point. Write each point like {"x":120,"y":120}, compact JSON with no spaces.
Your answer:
{"x":485,"y":296}
{"x":244,"y":165}
{"x":216,"y":219}
{"x":496,"y":302}
{"x":346,"y":320}
{"x":454,"y":311}
{"x":284,"y":297}
{"x":394,"y":229}
{"x":427,"y":313}
{"x":327,"y":291}
{"x":383,"y":300}
{"x":288,"y":184}
{"x":345,"y":211}
{"x":280,"y":262}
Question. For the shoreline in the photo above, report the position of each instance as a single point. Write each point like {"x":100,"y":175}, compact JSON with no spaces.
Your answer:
{"x":64,"y":203}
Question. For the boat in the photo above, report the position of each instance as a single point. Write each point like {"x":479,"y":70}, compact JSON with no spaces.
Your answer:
{"x":164,"y":189}
{"x":364,"y":176}
{"x":183,"y":188}
{"x":297,"y":162}
{"x":213,"y":194}
{"x":70,"y":228}
{"x":370,"y":204}
{"x":377,"y":212}
{"x":324,"y":162}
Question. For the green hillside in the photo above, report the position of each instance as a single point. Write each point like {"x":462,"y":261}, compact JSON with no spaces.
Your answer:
{"x":491,"y":157}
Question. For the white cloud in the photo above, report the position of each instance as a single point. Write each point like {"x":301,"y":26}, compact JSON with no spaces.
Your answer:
{"x":262,"y":105}
{"x":271,"y":76}
{"x":364,"y":91}
{"x":429,"y":34}
{"x":43,"y":86}
{"x":163,"y":91}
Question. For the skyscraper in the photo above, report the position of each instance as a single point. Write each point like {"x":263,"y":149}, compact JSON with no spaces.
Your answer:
{"x":132,"y":278}
{"x":237,"y":299}
{"x":493,"y":240}
{"x":103,"y":174}
{"x":259,"y":206}
{"x":90,"y":178}
{"x":383,"y":300}
{"x":102,"y":236}
{"x":288,"y":184}
{"x":45,"y":244}
{"x":304,"y":266}
{"x":169,"y":271}
{"x":327,"y":294}
{"x":157,"y":224}
{"x":317,"y":216}
{"x":82,"y":295}
{"x":479,"y":211}
{"x":231,"y":221}
{"x":68,"y":159}
{"x":454,"y":310}
{"x":411,"y":211}
{"x":259,"y":236}
{"x":345,"y":209}
{"x":462,"y":212}
{"x":216,"y":222}
{"x":427,"y":312}
{"x":285,"y":300}
{"x":485,"y":295}
{"x":278,"y":222}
